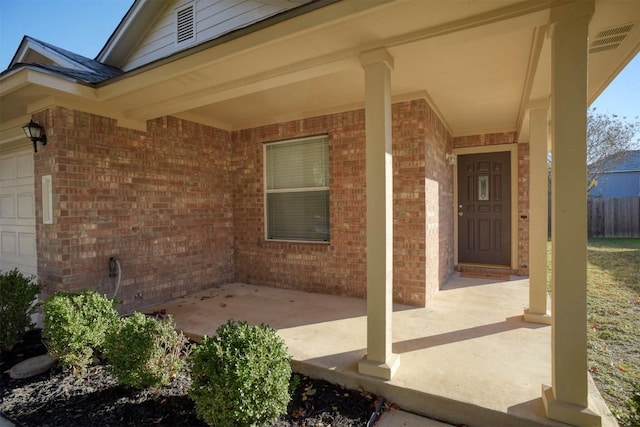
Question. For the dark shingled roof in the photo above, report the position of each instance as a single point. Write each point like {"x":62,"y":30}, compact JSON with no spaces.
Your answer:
{"x":82,"y":76}
{"x":97,"y":73}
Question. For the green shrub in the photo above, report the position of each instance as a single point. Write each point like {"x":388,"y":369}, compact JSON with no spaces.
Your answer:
{"x":144,"y":352}
{"x":634,"y":406}
{"x":17,"y":293}
{"x":241,"y":377}
{"x":75,"y":325}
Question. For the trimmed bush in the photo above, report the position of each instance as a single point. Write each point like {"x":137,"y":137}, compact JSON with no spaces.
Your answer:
{"x":17,"y":293}
{"x":634,"y":406}
{"x":144,"y":352}
{"x":241,"y":377}
{"x":75,"y":325}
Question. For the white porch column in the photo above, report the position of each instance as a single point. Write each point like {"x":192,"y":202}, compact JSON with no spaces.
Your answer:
{"x":538,"y":215}
{"x":567,"y":398}
{"x":379,"y":361}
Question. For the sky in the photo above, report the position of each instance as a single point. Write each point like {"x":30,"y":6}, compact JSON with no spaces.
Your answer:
{"x":84,"y":26}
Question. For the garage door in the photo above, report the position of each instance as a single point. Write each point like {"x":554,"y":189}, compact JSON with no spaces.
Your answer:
{"x":17,"y":213}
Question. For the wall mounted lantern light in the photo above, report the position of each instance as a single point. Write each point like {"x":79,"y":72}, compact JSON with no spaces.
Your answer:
{"x":35,"y":133}
{"x":452,"y":159}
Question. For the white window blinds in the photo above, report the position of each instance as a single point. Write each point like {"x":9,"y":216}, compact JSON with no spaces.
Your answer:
{"x":297,"y":189}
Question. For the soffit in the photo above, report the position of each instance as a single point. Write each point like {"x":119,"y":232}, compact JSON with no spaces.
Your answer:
{"x":620,"y":18}
{"x":486,"y":100}
{"x":474,"y":76}
{"x":478,"y":62}
{"x":456,"y":51}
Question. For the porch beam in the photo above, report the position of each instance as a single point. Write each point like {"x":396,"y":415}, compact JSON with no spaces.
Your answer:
{"x":379,"y":361}
{"x":538,"y":216}
{"x":567,"y":400}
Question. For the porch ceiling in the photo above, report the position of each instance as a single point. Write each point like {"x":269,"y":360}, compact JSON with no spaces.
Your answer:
{"x":476,"y":89}
{"x":479,"y":63}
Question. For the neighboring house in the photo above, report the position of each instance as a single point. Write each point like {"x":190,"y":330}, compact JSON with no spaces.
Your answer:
{"x":362,"y":148}
{"x":621,"y":179}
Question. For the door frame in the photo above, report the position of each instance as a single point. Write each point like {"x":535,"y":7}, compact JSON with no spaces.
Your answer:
{"x":515,"y":237}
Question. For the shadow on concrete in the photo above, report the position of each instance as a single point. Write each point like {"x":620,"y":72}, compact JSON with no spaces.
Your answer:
{"x":532,"y":409}
{"x":457,"y":282}
{"x":510,"y":323}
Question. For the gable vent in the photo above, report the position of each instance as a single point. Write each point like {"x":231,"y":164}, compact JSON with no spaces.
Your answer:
{"x":185,"y":25}
{"x":609,"y":39}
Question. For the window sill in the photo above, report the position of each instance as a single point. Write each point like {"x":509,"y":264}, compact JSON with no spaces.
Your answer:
{"x":311,"y":242}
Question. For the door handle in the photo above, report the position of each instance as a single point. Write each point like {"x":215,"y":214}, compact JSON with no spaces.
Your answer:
{"x":460,"y":213}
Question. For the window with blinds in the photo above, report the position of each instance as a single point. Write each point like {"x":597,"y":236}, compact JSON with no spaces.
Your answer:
{"x":297,"y":189}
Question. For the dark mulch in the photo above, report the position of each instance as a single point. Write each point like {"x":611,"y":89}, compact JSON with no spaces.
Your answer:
{"x":57,"y":398}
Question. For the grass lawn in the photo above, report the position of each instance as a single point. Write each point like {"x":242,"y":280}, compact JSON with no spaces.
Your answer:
{"x":613,"y":320}
{"x":613,"y":298}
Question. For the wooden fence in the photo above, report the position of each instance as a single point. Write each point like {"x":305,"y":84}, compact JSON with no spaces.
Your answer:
{"x":614,"y":217}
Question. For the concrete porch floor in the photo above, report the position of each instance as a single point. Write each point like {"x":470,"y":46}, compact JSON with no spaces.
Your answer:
{"x":466,"y":358}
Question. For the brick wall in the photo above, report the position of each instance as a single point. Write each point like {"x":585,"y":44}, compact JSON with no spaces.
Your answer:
{"x":422,"y":226}
{"x":523,"y":208}
{"x":181,"y":207}
{"x":158,"y":201}
{"x":337,"y":267}
{"x":485,"y":139}
{"x":423,"y":203}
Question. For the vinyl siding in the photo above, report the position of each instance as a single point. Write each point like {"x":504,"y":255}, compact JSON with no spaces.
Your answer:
{"x":213,"y":18}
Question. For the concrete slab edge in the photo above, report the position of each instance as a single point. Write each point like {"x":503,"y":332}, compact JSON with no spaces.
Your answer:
{"x":435,"y":407}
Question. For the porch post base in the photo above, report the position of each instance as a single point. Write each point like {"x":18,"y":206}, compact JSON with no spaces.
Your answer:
{"x":567,"y":412}
{"x":541,"y":318}
{"x":385,"y":370}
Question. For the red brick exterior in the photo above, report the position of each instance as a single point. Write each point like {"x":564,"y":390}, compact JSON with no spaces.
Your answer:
{"x":181,"y":207}
{"x":523,"y":209}
{"x":423,"y":252}
{"x":339,"y":267}
{"x":423,"y":203}
{"x":485,"y":139}
{"x":160,"y":202}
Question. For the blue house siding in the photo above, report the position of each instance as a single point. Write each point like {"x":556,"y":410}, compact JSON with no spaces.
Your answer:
{"x":621,"y":181}
{"x":617,"y":184}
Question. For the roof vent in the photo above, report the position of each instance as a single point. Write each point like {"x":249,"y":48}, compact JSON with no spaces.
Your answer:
{"x":185,"y":25}
{"x":610,"y":38}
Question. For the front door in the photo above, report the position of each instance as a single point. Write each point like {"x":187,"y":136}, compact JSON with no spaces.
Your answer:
{"x":484,"y":208}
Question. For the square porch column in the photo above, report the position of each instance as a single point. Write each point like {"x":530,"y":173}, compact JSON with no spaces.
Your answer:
{"x":567,"y":400}
{"x":538,"y":215}
{"x":379,"y":361}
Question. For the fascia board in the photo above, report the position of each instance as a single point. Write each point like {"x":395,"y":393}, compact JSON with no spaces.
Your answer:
{"x":23,"y":76}
{"x":334,"y":109}
{"x":55,"y":57}
{"x":136,"y":21}
{"x":61,"y":93}
{"x":89,"y":106}
{"x":483,"y":131}
{"x":596,"y":91}
{"x":13,"y":80}
{"x":240,"y":87}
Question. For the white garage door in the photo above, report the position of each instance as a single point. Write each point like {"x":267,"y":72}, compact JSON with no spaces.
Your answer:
{"x":17,"y":213}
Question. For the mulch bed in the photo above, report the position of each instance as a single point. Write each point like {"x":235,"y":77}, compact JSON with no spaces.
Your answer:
{"x":58,"y":398}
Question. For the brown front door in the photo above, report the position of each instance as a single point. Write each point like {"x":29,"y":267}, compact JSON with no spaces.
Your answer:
{"x":484,"y":208}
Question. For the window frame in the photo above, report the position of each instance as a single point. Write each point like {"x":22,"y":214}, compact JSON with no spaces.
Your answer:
{"x":267,"y":191}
